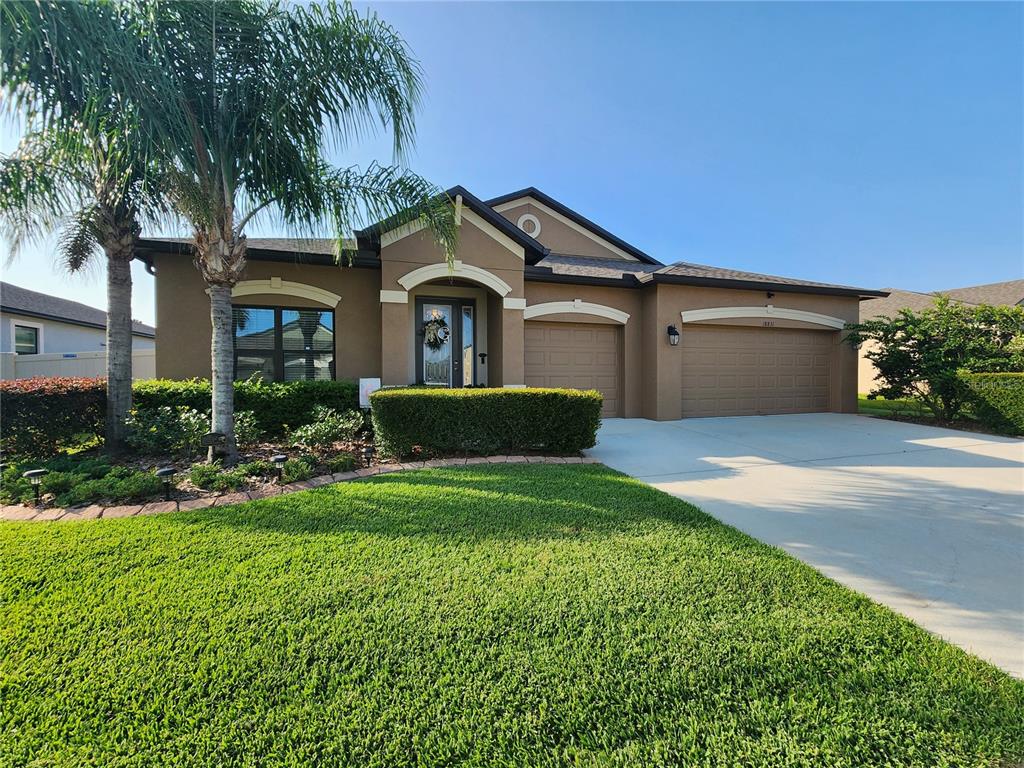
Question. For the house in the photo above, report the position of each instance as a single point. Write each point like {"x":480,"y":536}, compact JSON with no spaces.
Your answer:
{"x":1009,"y":293}
{"x":538,"y":295}
{"x":44,"y":335}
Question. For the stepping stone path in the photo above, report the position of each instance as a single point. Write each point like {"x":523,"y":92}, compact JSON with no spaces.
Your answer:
{"x":95,"y":511}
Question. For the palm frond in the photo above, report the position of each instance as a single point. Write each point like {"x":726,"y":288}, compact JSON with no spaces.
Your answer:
{"x":350,"y":199}
{"x":79,"y":240}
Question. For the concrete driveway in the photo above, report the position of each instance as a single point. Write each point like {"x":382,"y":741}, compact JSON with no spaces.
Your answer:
{"x":927,"y":521}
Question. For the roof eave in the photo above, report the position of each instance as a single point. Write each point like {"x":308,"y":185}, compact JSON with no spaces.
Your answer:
{"x":758,"y":285}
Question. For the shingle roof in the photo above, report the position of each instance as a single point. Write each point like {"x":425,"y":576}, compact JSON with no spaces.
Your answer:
{"x":897,"y":299}
{"x":686,"y":269}
{"x":589,"y":266}
{"x":569,"y":266}
{"x":1008,"y":293}
{"x":22,"y":301}
{"x":319,"y":245}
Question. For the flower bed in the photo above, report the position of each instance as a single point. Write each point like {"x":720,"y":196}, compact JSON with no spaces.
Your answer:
{"x":23,"y":512}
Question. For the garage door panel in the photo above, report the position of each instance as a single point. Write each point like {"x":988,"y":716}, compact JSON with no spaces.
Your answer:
{"x":576,"y":356}
{"x":729,"y":371}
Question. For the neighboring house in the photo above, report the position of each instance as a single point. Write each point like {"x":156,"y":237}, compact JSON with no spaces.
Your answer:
{"x":45,"y":335}
{"x":1009,"y":293}
{"x":538,"y":296}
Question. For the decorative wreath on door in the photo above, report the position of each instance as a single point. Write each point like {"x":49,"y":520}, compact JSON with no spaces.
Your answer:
{"x":436,"y":331}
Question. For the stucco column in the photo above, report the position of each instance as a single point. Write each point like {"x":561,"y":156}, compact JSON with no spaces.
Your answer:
{"x":396,"y":343}
{"x":513,"y":360}
{"x":844,"y":376}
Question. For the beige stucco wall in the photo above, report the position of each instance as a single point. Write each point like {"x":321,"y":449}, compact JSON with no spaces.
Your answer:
{"x":378,"y":339}
{"x":561,"y":237}
{"x":501,"y":335}
{"x":183,"y":314}
{"x":866,"y":370}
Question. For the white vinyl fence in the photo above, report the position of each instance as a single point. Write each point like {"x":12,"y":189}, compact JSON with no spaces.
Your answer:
{"x":14,"y":366}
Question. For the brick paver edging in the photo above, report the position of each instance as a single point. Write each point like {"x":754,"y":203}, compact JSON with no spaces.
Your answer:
{"x":94,"y":511}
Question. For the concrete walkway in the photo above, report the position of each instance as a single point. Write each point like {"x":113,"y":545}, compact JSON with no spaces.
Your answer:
{"x":928,"y":521}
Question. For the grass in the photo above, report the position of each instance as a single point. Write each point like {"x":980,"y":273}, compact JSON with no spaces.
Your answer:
{"x":882,"y":407}
{"x":507,"y":615}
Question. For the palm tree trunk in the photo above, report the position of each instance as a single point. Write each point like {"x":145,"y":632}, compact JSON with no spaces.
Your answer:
{"x":119,"y":344}
{"x":222,"y":367}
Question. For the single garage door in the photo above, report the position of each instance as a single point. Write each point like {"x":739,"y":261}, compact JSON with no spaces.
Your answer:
{"x":577,"y":356}
{"x":741,"y":371}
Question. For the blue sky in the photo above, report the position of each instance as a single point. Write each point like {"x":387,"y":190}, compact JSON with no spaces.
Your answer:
{"x":874,"y":144}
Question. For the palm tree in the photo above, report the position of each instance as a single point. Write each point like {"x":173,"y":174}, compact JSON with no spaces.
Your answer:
{"x":256,"y":93}
{"x":82,"y":167}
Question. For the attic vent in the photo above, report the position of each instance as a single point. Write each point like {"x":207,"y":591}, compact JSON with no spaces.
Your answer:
{"x":530,"y":224}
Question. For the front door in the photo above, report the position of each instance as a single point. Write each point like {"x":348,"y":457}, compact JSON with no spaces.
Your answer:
{"x":446,"y":342}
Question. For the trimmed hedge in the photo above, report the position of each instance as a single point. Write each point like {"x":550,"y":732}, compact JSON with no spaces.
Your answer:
{"x":40,"y":416}
{"x":277,"y":406}
{"x":998,"y":399}
{"x":443,"y":422}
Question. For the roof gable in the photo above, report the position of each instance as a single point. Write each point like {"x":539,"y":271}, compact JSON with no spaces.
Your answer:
{"x":564,"y":213}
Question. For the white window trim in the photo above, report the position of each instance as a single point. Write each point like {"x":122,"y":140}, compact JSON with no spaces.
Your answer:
{"x":458,"y":269}
{"x":394,"y":297}
{"x":769,"y":312}
{"x":275,"y":286}
{"x":576,"y":306}
{"x":567,"y":221}
{"x":40,"y":329}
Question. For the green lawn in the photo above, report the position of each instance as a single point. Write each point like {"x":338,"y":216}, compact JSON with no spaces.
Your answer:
{"x":503,"y":615}
{"x":882,"y":407}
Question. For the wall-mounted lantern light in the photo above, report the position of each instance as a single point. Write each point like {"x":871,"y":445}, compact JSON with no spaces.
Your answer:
{"x":35,"y":476}
{"x":166,"y":474}
{"x":771,"y":294}
{"x":673,"y":336}
{"x":279,"y":460}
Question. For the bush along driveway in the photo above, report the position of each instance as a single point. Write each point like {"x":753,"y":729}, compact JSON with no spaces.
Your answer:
{"x":483,"y":615}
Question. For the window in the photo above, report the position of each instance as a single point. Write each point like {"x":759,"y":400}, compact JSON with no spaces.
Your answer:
{"x":26,"y":340}
{"x":284,"y":344}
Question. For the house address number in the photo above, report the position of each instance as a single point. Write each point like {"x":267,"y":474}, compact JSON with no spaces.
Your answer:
{"x":768,"y":323}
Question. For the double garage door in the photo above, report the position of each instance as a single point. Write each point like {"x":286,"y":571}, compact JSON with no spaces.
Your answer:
{"x":727,"y":370}
{"x":577,"y":356}
{"x":742,"y":371}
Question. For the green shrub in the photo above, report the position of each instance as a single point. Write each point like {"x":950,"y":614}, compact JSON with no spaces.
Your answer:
{"x":166,"y":428}
{"x":276,"y":406}
{"x":998,"y":399}
{"x":73,"y":481}
{"x":484,"y":421}
{"x":297,"y":469}
{"x":212,"y":477}
{"x":247,"y":428}
{"x":39,"y":416}
{"x":257,"y":468}
{"x":121,"y":484}
{"x":343,"y":462}
{"x":327,"y":428}
{"x":65,"y":473}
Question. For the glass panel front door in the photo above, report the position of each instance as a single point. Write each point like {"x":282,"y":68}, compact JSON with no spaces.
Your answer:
{"x":436,"y":321}
{"x":468,"y":348}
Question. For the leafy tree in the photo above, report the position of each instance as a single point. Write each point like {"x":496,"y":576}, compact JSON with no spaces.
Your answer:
{"x":82,"y":168}
{"x":919,"y":354}
{"x":255,"y":92}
